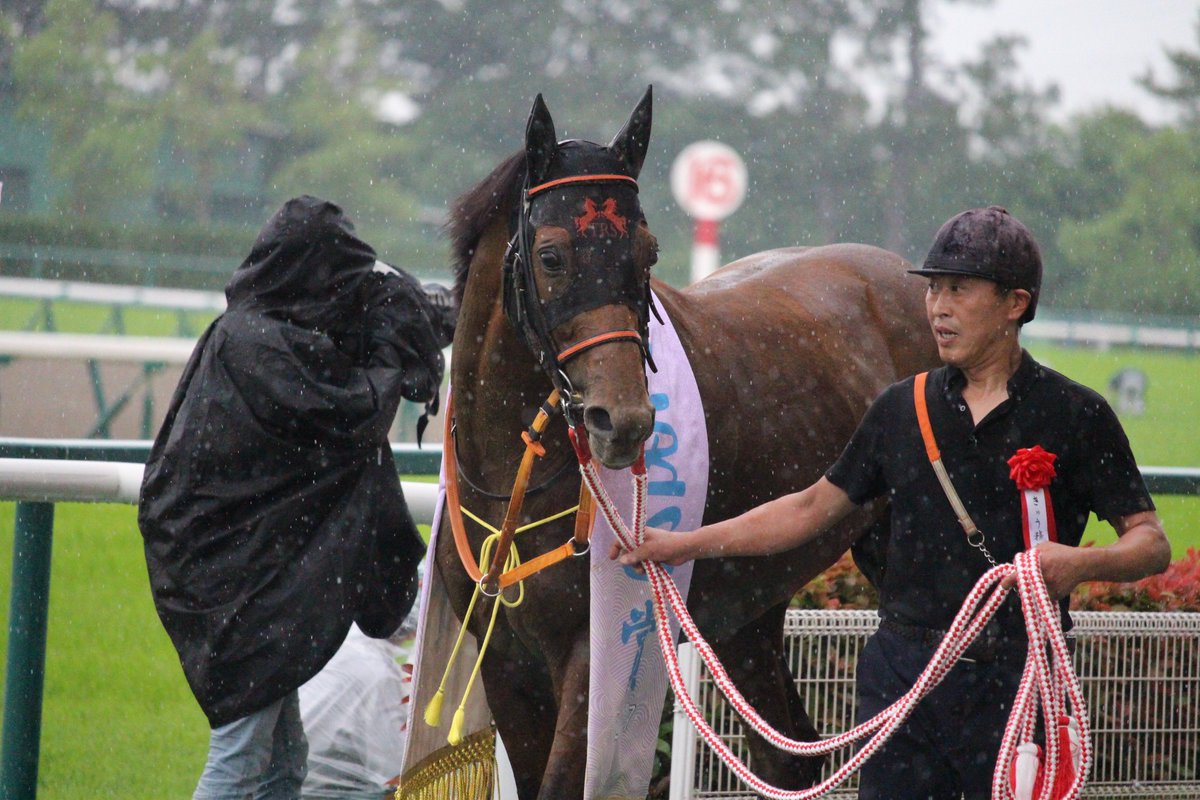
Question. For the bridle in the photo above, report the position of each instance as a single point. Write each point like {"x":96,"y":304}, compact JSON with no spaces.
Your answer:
{"x":534,"y":320}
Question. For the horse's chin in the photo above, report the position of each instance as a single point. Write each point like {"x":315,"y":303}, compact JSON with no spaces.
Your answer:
{"x":612,"y":453}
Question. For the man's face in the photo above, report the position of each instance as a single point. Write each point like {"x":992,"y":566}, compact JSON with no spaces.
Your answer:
{"x":971,"y":321}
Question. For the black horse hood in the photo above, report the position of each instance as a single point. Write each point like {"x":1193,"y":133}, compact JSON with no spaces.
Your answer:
{"x":271,"y":510}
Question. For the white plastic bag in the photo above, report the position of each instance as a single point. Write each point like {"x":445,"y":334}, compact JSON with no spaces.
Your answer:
{"x":355,"y":714}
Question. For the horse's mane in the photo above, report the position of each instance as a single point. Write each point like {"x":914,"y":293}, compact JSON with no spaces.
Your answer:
{"x":476,"y":209}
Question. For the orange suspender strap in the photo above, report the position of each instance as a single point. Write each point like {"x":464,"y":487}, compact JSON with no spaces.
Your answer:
{"x":931,"y":448}
{"x":935,"y":459}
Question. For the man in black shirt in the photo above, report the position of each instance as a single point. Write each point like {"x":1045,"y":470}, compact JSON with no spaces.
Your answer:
{"x":992,"y":409}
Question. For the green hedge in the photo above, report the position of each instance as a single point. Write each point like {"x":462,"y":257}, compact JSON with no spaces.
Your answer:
{"x":217,"y":239}
{"x":78,"y":249}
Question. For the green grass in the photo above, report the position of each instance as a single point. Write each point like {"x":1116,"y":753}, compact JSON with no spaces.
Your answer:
{"x":1164,"y":436}
{"x":73,"y":317}
{"x":118,"y":718}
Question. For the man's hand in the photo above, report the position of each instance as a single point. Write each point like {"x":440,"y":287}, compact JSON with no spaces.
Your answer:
{"x":1060,"y":569}
{"x":1141,"y":549}
{"x":659,"y":545}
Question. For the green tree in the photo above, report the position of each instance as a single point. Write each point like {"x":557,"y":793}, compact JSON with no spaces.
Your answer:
{"x":1143,"y":255}
{"x":336,"y":145}
{"x":102,"y":135}
{"x":206,"y":117}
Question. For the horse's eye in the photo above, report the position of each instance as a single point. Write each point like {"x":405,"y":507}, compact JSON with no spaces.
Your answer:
{"x":550,"y":260}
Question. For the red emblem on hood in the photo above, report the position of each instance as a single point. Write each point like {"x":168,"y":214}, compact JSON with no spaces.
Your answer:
{"x":610,"y":221}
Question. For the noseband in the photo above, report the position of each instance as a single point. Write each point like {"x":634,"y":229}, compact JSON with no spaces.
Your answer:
{"x":525,"y":311}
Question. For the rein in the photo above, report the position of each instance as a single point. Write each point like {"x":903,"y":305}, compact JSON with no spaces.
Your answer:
{"x":498,"y":577}
{"x":1053,"y":683}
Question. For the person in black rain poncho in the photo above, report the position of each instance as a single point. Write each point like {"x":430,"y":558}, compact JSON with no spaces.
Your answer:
{"x":271,"y":510}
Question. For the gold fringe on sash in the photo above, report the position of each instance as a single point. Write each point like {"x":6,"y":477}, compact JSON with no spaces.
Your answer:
{"x":465,"y":772}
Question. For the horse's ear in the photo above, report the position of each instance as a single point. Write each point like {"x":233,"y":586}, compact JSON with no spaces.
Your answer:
{"x":540,"y":141}
{"x":631,"y":143}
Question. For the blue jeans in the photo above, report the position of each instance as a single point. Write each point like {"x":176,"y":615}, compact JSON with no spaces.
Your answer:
{"x":263,"y":756}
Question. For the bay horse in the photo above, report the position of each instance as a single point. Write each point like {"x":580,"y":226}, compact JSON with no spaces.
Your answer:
{"x":789,"y":347}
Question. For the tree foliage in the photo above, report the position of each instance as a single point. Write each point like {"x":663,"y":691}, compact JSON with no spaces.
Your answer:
{"x":206,"y":115}
{"x":852,"y":126}
{"x":101,"y":135}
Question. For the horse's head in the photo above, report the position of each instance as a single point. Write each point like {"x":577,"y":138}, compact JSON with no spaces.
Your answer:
{"x":577,"y":278}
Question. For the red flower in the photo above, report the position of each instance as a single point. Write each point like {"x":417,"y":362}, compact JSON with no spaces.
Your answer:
{"x":1032,"y":468}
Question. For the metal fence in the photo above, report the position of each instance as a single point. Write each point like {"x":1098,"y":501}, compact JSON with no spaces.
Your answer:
{"x":1140,"y":674}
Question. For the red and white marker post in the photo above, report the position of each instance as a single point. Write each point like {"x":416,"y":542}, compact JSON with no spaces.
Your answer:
{"x":708,"y":180}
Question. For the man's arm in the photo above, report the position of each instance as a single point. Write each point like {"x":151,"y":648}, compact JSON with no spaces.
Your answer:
{"x":1141,"y":549}
{"x":772,"y":527}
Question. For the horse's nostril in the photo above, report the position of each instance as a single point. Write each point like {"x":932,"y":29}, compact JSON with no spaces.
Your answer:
{"x":597,"y":420}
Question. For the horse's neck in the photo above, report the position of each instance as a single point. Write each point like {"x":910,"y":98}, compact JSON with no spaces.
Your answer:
{"x":496,"y":381}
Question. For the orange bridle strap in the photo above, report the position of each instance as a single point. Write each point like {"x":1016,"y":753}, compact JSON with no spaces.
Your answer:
{"x":495,"y":581}
{"x":588,"y":344}
{"x":541,"y":187}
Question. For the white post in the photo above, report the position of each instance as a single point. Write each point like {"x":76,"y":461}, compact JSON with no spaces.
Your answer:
{"x":708,"y":180}
{"x":683,"y":735}
{"x":706,"y":249}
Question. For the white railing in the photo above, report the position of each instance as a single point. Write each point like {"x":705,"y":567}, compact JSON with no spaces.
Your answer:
{"x":1140,"y":673}
{"x":36,"y":484}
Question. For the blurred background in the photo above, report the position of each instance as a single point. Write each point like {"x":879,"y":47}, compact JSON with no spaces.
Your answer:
{"x":169,"y":130}
{"x":144,"y":142}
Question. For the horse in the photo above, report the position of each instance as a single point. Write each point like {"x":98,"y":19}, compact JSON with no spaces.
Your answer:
{"x":553,"y":260}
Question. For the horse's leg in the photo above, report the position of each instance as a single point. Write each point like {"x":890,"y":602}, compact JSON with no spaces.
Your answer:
{"x":756,"y":663}
{"x":565,"y":769}
{"x":521,"y":698}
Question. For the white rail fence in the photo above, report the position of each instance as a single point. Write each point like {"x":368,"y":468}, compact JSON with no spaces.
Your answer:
{"x":1140,"y":674}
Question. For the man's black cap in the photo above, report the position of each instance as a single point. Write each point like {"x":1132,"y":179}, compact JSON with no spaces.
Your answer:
{"x":988,"y":243}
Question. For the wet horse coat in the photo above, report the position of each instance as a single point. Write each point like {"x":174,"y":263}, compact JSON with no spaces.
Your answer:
{"x":788,"y":348}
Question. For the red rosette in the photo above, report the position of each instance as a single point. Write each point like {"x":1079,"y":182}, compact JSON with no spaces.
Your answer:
{"x":1032,"y":468}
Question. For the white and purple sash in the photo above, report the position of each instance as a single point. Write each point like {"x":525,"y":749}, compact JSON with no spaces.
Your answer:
{"x":628,"y":679}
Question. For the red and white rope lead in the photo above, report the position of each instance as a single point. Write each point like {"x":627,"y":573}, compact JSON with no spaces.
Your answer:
{"x":1049,"y":681}
{"x":979,"y":607}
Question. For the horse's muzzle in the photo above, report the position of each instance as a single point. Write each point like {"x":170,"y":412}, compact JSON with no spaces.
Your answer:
{"x":616,"y":434}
